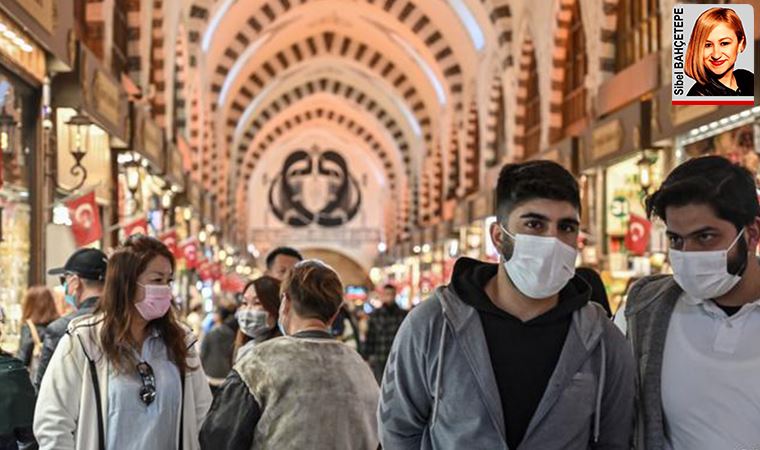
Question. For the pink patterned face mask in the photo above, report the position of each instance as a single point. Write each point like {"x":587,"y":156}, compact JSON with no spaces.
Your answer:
{"x":157,"y":301}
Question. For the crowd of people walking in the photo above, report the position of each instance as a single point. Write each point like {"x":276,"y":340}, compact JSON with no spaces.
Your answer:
{"x":516,"y":355}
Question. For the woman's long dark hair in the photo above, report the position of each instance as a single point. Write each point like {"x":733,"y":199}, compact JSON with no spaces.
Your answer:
{"x":118,"y":309}
{"x":268,"y":291}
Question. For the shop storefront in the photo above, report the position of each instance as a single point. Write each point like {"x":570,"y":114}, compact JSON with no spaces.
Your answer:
{"x":148,"y":194}
{"x":22,"y":72}
{"x":619,"y":166}
{"x":692,"y":131}
{"x":90,"y":114}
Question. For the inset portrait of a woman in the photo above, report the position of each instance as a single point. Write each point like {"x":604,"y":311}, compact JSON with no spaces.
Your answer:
{"x":716,"y":41}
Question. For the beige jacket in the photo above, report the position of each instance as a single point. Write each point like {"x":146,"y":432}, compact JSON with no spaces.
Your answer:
{"x":66,"y":416}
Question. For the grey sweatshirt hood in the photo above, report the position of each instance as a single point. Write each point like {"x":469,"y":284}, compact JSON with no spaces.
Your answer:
{"x":440,"y":364}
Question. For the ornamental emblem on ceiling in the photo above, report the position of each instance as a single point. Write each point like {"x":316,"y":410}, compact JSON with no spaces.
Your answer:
{"x":314,"y":188}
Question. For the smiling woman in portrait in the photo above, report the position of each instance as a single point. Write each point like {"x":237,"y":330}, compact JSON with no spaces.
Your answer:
{"x":716,"y":41}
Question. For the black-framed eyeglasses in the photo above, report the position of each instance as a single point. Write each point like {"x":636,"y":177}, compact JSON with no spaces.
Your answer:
{"x":148,"y":389}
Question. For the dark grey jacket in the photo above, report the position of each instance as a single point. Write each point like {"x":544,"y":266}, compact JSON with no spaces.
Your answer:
{"x":439,"y":390}
{"x":55,"y":331}
{"x":217,"y":349}
{"x":26,"y":342}
{"x":648,"y":310}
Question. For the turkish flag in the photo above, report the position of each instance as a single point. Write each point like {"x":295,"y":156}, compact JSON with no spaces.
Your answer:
{"x":139,"y":226}
{"x":639,"y":232}
{"x":85,"y":219}
{"x":232,"y":283}
{"x":216,"y":271}
{"x":205,"y":271}
{"x":169,"y":239}
{"x":189,"y":251}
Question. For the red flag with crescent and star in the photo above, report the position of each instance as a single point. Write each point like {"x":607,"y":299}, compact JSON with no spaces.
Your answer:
{"x":85,"y":219}
{"x":139,"y":226}
{"x":189,"y":250}
{"x":169,"y":238}
{"x":637,"y":237}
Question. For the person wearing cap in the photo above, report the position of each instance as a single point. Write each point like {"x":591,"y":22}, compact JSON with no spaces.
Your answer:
{"x":82,"y":278}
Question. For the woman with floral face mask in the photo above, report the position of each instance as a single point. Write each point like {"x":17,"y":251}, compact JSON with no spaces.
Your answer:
{"x":258,"y":316}
{"x":127,"y":377}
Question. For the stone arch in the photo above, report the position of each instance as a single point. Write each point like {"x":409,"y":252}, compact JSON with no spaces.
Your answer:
{"x":526,"y":66}
{"x":559,"y":56}
{"x":404,"y":11}
{"x":495,"y":124}
{"x":350,"y":92}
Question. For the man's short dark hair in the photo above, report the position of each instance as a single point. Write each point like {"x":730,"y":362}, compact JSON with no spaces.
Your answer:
{"x":519,"y":183}
{"x":727,"y":188}
{"x":314,"y":289}
{"x":287,"y":251}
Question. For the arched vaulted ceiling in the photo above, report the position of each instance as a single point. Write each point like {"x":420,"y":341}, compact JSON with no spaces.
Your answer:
{"x":395,"y":74}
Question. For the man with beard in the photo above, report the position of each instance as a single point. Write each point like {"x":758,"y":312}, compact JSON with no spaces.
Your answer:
{"x":695,"y":333}
{"x":513,"y":355}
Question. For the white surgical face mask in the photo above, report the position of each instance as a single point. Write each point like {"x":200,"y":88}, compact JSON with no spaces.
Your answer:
{"x":704,"y":275}
{"x":540,"y":266}
{"x":252,"y":322}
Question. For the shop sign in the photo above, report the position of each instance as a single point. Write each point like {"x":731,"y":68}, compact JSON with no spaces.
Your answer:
{"x":101,"y":95}
{"x":194,"y":194}
{"x":176,"y":170}
{"x":621,"y":134}
{"x":104,"y":97}
{"x":23,"y":51}
{"x":41,"y":10}
{"x":153,"y":144}
{"x":606,"y":140}
{"x":209,"y":213}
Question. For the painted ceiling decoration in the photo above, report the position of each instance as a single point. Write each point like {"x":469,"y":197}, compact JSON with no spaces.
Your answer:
{"x":315,"y":187}
{"x":389,"y":76}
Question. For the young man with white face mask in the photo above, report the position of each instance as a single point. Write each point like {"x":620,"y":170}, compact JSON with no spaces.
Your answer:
{"x":513,"y":355}
{"x":695,"y":333}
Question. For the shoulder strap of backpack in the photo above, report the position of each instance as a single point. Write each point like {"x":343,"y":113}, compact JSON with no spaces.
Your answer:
{"x":35,"y":336}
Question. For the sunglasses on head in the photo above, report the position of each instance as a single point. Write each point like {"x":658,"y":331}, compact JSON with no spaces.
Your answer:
{"x":148,"y":389}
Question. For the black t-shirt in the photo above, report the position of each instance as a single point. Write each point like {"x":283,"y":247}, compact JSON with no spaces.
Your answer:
{"x":523,"y":354}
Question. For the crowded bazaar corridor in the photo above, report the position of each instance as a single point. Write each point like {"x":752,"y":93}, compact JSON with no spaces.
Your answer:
{"x":363,"y":224}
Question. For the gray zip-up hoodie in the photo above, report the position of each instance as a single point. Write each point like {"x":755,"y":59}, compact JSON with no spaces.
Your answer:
{"x":648,"y":311}
{"x":439,"y":390}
